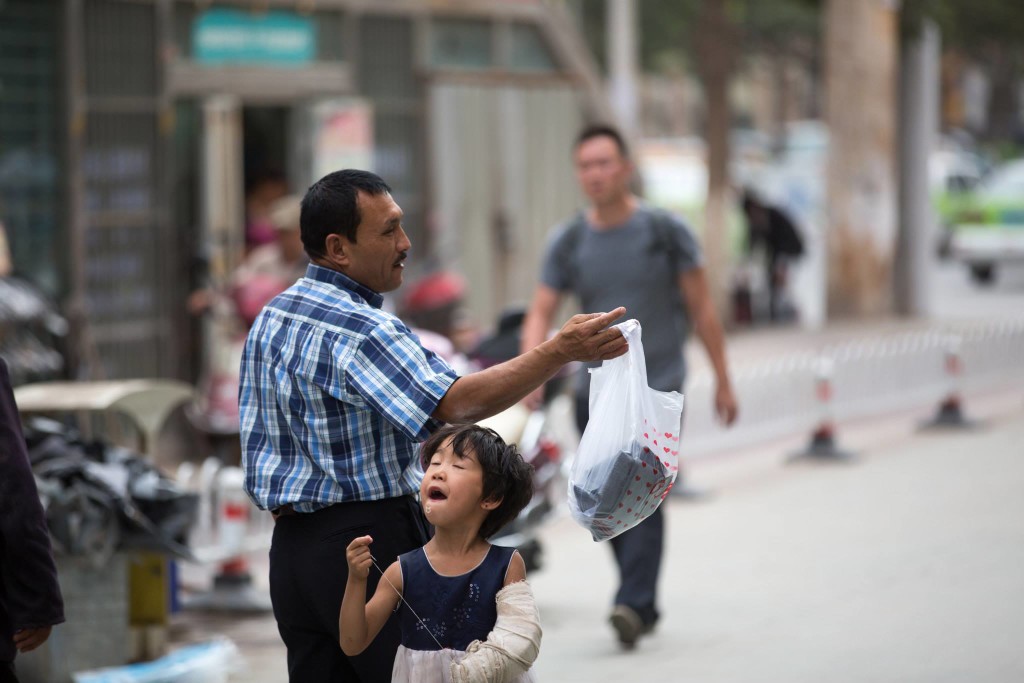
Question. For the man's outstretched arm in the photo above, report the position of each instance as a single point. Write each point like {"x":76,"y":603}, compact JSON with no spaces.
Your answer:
{"x":585,"y":337}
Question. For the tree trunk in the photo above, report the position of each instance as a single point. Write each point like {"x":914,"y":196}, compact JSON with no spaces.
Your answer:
{"x":861,"y":72}
{"x":716,"y":56}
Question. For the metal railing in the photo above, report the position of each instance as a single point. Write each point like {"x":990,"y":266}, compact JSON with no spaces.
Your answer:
{"x":871,"y":378}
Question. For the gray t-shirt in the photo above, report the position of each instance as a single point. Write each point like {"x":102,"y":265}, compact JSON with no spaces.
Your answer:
{"x":631,"y":265}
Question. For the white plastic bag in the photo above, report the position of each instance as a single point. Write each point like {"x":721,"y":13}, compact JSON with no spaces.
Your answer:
{"x":629,"y":453}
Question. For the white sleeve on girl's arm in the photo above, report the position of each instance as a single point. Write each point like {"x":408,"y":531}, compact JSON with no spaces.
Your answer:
{"x":511,"y":648}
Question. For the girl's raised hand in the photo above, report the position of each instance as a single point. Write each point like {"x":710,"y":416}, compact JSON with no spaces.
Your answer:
{"x":358,"y":556}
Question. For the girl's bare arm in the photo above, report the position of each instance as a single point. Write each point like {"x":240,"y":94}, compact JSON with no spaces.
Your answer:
{"x":360,"y":621}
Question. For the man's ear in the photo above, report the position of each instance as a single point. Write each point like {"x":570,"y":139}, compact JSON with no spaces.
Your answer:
{"x":491,"y":503}
{"x":337,"y":250}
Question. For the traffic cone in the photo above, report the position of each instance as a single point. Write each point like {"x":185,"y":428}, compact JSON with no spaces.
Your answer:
{"x":822,"y":446}
{"x":950,"y":414}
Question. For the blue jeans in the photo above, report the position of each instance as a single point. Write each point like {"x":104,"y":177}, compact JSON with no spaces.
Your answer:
{"x":637,"y":552}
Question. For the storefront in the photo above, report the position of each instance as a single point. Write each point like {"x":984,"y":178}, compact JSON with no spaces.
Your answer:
{"x":173,"y":110}
{"x":31,"y":138}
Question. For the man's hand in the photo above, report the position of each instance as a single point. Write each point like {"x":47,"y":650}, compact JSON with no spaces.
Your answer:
{"x":28,"y":639}
{"x":587,"y":337}
{"x":725,"y":404}
{"x":359,"y":559}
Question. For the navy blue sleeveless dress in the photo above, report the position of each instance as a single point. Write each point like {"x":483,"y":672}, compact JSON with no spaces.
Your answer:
{"x":456,"y":609}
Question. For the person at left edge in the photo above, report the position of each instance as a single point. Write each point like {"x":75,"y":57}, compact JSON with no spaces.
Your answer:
{"x":335,"y":396}
{"x":30,"y":599}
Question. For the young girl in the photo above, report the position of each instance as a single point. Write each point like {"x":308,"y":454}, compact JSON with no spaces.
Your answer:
{"x":457,"y":593}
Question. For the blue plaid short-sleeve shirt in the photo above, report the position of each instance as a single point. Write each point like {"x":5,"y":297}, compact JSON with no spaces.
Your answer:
{"x":334,"y":397}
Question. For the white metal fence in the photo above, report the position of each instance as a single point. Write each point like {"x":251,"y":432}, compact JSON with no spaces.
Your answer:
{"x":871,"y":377}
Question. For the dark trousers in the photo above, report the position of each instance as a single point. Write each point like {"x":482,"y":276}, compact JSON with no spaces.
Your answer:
{"x":308,"y":572}
{"x":7,"y":673}
{"x":637,"y":552}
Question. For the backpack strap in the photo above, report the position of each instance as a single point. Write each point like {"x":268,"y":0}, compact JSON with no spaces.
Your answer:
{"x":661,"y":226}
{"x":566,"y":255}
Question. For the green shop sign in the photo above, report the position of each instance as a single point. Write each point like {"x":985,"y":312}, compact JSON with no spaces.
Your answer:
{"x":231,"y":36}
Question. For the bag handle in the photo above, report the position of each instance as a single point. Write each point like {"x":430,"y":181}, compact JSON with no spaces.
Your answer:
{"x":632,"y":331}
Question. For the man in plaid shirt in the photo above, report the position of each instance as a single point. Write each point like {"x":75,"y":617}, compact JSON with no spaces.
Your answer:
{"x":335,"y":396}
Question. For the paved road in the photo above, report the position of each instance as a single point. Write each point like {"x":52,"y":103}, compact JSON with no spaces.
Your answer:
{"x":956,"y":297}
{"x":906,"y":566}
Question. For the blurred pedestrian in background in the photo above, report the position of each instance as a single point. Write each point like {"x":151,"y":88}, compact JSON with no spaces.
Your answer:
{"x":772,"y":232}
{"x":261,"y":193}
{"x":336,"y":395}
{"x":621,"y":251}
{"x":30,"y":598}
{"x":266,"y":271}
{"x":271,"y":268}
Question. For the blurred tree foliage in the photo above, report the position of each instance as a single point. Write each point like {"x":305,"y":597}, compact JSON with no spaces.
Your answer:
{"x":991,"y":34}
{"x":669,"y":29}
{"x":973,"y":26}
{"x":988,"y":33}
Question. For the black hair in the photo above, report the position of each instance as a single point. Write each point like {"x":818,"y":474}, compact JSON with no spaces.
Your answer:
{"x":603,"y":130}
{"x":330,"y":207}
{"x":507,"y":477}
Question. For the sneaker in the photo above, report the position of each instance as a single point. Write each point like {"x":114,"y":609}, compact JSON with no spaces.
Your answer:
{"x":627,"y":624}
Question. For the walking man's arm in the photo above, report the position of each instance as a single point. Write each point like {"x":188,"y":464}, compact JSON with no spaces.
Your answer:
{"x":693,"y":284}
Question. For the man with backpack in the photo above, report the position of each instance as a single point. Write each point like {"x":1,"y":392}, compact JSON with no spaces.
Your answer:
{"x":621,"y":251}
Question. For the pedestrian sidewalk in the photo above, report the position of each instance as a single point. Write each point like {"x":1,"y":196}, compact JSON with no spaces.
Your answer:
{"x":902,"y":566}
